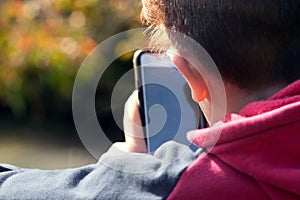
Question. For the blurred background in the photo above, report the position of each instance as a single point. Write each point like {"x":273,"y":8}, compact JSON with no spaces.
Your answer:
{"x":43,"y":43}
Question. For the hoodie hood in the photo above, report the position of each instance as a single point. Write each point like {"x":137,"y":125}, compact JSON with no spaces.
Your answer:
{"x":262,"y":141}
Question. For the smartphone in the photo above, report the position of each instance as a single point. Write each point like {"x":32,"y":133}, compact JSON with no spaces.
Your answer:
{"x":166,"y":106}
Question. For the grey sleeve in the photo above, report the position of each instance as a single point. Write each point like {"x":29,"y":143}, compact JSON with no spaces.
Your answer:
{"x":117,"y":175}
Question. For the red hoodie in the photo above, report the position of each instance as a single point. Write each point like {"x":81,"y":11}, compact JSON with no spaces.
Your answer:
{"x":257,"y":155}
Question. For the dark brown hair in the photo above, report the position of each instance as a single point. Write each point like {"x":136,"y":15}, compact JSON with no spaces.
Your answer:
{"x":254,"y":43}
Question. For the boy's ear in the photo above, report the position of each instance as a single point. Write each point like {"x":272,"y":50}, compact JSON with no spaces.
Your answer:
{"x":192,"y":76}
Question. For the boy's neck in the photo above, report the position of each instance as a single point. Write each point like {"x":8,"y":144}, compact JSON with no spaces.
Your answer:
{"x":238,"y":98}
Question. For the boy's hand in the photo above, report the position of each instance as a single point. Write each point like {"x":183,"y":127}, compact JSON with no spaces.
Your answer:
{"x":133,"y":130}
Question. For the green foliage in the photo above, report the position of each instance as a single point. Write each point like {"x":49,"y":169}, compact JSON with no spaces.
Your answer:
{"x":42,"y":44}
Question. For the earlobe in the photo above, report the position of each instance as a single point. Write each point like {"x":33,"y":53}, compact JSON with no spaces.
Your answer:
{"x":193,"y":77}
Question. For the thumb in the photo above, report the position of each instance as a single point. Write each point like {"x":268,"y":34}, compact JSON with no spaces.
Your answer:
{"x":132,"y":120}
{"x":133,"y":129}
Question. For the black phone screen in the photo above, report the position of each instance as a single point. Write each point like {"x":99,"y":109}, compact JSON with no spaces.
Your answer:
{"x":167,"y":109}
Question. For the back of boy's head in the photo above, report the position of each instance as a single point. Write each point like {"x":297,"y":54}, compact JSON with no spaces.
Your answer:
{"x":254,"y":43}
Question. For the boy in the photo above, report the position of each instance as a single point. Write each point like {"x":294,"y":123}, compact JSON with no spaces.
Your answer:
{"x":255,"y":45}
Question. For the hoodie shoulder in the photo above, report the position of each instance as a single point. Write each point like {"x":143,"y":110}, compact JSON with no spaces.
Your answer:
{"x":117,"y":175}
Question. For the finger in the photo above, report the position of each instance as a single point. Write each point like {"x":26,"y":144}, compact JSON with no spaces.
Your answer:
{"x":132,"y":121}
{"x":134,"y":134}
